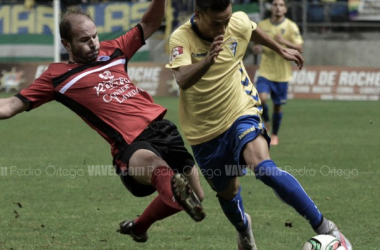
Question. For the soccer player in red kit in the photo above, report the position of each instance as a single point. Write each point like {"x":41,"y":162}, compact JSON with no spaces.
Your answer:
{"x":95,"y":85}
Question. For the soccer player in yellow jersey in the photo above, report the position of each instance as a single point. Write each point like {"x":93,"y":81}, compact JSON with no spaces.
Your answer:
{"x":274,"y":71}
{"x":220,"y":113}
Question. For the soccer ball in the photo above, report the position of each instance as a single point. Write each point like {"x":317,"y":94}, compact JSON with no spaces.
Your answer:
{"x":323,"y":242}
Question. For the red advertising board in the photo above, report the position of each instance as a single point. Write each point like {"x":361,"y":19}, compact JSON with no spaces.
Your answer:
{"x":336,"y":83}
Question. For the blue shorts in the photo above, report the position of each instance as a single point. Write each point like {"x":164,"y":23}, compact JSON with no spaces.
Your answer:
{"x":220,"y":159}
{"x":277,"y":90}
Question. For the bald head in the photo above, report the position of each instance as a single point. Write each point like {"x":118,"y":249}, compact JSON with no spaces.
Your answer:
{"x":71,"y":16}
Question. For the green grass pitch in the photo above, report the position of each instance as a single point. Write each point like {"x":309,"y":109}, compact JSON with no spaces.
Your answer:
{"x":51,"y":200}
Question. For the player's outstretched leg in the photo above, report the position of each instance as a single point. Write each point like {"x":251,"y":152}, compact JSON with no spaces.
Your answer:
{"x":163,"y":206}
{"x":186,"y":197}
{"x":127,"y":227}
{"x":329,"y":227}
{"x":291,"y":192}
{"x":245,"y":239}
{"x":137,"y":228}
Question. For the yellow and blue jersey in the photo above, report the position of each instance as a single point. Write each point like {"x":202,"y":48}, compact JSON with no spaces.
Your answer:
{"x":272,"y":66}
{"x":225,"y":92}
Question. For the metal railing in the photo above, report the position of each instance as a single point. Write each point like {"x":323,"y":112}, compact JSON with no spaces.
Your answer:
{"x":318,"y":16}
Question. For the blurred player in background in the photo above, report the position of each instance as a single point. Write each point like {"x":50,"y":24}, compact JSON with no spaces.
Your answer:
{"x":147,"y":149}
{"x":220,"y":113}
{"x":274,"y":71}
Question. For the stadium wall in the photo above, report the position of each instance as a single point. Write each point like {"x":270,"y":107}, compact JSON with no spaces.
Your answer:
{"x":345,"y":51}
{"x":312,"y":82}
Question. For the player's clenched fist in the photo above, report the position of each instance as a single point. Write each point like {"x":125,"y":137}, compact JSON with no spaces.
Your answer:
{"x":215,"y":49}
{"x":293,"y":55}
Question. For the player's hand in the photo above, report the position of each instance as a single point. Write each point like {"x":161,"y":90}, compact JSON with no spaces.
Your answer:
{"x":279,"y":38}
{"x":215,"y":49}
{"x":293,"y":55}
{"x":257,"y":49}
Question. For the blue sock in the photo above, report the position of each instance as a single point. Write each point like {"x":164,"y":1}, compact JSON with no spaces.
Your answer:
{"x":234,"y":211}
{"x":265,"y":114}
{"x":288,"y":190}
{"x":276,"y":122}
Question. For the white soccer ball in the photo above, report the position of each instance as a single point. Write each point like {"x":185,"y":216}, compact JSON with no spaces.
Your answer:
{"x":323,"y":242}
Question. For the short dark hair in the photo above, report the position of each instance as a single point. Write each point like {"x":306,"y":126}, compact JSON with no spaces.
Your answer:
{"x":214,"y":5}
{"x":66,"y":19}
{"x":285,"y":2}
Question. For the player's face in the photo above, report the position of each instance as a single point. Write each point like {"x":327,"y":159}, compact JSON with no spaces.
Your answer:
{"x":278,"y":8}
{"x":212,"y":24}
{"x":84,"y":45}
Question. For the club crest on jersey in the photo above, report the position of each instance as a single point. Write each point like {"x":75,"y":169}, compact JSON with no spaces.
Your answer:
{"x":232,"y":43}
{"x":103,"y":58}
{"x":176,"y":52}
{"x":233,"y":47}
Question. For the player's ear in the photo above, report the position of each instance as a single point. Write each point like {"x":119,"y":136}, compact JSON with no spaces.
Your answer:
{"x":196,"y":13}
{"x":66,"y":44}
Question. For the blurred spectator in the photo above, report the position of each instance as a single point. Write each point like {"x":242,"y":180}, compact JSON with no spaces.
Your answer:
{"x":29,"y":4}
{"x":328,"y":10}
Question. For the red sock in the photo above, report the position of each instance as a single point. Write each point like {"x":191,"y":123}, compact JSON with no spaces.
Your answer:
{"x":161,"y":180}
{"x":156,"y":210}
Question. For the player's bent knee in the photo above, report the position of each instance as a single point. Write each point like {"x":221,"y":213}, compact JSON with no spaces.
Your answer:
{"x":144,"y":157}
{"x":228,"y":194}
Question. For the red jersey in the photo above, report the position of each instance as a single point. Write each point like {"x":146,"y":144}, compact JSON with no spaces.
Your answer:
{"x":100,"y":92}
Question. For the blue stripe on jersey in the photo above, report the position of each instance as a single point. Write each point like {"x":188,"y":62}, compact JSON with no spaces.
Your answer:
{"x":256,"y":97}
{"x":245,"y":82}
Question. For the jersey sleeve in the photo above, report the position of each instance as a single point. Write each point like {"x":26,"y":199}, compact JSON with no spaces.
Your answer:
{"x":180,"y":51}
{"x":131,"y":41}
{"x":296,"y":34}
{"x":39,"y":92}
{"x":241,"y":22}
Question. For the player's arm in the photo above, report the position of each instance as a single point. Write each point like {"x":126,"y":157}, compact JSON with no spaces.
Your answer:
{"x":11,"y":106}
{"x":153,"y":17}
{"x":280,"y":39}
{"x":260,"y":37}
{"x":187,"y":76}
